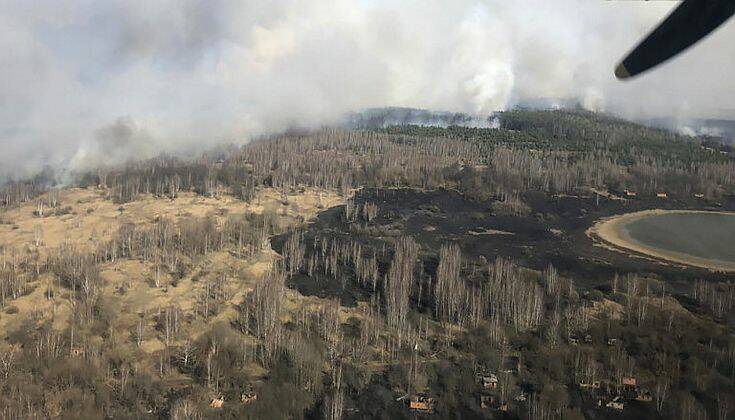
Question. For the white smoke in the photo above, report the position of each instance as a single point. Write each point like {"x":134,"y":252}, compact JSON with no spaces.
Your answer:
{"x":87,"y":82}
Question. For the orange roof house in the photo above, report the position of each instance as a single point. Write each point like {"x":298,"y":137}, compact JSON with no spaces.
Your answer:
{"x":248,"y":397}
{"x":421,"y":404}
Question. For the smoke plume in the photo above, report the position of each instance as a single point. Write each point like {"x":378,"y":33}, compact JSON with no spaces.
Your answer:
{"x":87,"y":82}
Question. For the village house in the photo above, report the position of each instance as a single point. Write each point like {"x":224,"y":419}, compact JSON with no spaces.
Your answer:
{"x":488,"y":380}
{"x":644,"y":395}
{"x":630,"y":383}
{"x":590,"y":385}
{"x":662,"y":195}
{"x":616,"y":403}
{"x":248,"y":397}
{"x":486,"y":401}
{"x":630,"y":194}
{"x":421,"y":404}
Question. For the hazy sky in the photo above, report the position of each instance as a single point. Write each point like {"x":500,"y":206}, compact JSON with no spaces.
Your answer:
{"x":87,"y":82}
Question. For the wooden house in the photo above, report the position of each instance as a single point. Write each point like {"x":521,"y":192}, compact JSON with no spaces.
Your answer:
{"x":487,"y":401}
{"x":421,"y":404}
{"x":590,"y":384}
{"x":248,"y":397}
{"x":488,"y":380}
{"x":644,"y":395}
{"x":616,"y":403}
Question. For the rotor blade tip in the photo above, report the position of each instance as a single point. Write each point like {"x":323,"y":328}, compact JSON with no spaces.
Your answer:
{"x":621,"y":72}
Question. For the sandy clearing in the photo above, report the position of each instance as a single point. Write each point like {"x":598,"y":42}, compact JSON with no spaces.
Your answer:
{"x":93,"y":219}
{"x":612,"y":233}
{"x":35,"y":305}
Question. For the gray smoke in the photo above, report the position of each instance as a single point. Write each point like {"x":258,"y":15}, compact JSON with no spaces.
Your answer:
{"x":87,"y":82}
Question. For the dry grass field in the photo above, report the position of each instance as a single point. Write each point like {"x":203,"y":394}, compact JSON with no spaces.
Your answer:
{"x":129,"y":291}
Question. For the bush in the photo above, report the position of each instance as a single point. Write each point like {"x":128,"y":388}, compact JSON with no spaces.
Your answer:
{"x":64,"y":210}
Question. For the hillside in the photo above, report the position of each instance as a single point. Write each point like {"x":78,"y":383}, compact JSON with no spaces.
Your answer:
{"x":382,"y":272}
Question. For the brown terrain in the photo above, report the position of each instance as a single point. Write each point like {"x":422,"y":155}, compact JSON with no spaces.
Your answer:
{"x":89,"y":219}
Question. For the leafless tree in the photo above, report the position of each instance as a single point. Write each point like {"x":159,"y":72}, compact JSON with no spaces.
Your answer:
{"x":398,"y":283}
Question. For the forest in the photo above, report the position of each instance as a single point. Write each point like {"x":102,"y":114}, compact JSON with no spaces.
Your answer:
{"x":362,"y":311}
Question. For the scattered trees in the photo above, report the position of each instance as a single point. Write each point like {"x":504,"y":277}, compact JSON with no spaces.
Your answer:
{"x":398,"y":283}
{"x":534,"y":329}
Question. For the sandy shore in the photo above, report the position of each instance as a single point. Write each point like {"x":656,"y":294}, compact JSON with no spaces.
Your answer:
{"x":611,"y":232}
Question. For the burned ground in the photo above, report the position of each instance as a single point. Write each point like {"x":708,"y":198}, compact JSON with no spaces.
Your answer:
{"x":553,"y":232}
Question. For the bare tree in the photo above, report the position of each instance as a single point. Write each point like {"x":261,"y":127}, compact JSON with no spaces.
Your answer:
{"x":398,"y":283}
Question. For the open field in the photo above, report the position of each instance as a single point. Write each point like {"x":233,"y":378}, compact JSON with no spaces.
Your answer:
{"x":89,"y":219}
{"x":85,"y":218}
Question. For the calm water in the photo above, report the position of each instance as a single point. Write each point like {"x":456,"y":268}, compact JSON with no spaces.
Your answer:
{"x":710,"y":236}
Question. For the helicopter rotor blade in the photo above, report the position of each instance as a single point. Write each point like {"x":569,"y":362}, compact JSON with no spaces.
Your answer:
{"x":691,"y":21}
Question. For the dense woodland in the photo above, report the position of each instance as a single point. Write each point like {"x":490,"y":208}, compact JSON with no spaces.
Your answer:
{"x":429,"y":322}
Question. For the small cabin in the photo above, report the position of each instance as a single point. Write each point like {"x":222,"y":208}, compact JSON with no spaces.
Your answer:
{"x":612,"y":341}
{"x":630,"y":383}
{"x":489,"y":381}
{"x":217,"y":402}
{"x":487,"y":401}
{"x":248,"y":397}
{"x":662,"y":195}
{"x":644,"y":395}
{"x":422,"y":404}
{"x":590,"y":385}
{"x":699,"y":195}
{"x":630,"y":194}
{"x":616,"y":403}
